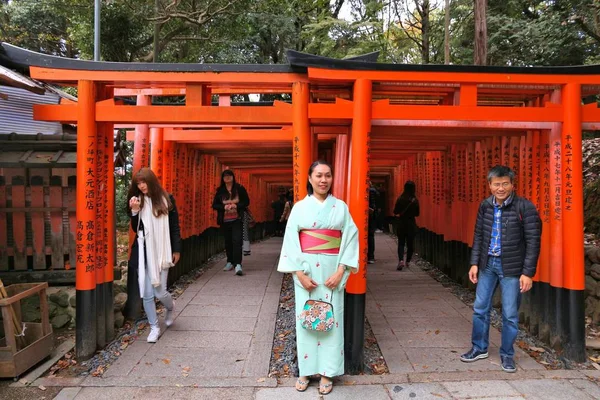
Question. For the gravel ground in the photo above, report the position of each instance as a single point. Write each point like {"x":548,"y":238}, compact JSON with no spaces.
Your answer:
{"x":284,"y":362}
{"x":539,"y":350}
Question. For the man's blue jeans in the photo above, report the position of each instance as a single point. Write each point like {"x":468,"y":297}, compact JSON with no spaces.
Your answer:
{"x":511,"y":300}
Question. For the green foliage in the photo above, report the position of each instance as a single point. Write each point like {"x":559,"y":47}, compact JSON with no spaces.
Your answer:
{"x":122,"y":182}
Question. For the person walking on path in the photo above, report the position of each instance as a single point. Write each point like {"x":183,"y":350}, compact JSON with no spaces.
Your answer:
{"x":373,"y":210}
{"x":278,"y":208}
{"x":506,"y":247}
{"x":287,"y":209}
{"x":157,"y":246}
{"x":246,"y":221}
{"x":406,"y":210}
{"x":320,"y":249}
{"x":231,"y":202}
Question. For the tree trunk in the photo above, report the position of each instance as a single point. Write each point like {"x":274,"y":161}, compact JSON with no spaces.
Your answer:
{"x":447,"y":33}
{"x":425,"y":31}
{"x":156,"y":33}
{"x":480,"y":53}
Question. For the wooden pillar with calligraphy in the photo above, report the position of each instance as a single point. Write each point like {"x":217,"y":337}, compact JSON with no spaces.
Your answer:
{"x":302,"y":147}
{"x":358,"y":203}
{"x":573,"y":260}
{"x":100,"y":205}
{"x":85,"y":263}
{"x":109,"y":233}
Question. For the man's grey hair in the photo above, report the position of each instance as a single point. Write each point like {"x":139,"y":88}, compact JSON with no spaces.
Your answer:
{"x":500,"y":171}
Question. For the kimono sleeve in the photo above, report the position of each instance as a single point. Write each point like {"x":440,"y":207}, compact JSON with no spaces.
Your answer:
{"x":349,"y":246}
{"x":291,"y":258}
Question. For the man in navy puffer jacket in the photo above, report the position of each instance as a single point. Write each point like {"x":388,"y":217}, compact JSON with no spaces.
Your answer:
{"x":506,"y":247}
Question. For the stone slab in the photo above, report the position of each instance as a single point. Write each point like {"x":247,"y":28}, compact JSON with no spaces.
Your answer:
{"x":434,"y":359}
{"x":474,"y":389}
{"x":258,"y":360}
{"x":217,"y":324}
{"x":212,"y":340}
{"x":589,"y":387}
{"x":431,"y":339}
{"x":68,"y":393}
{"x":425,"y":324}
{"x":179,"y":362}
{"x":163,"y":393}
{"x":181,"y":381}
{"x":194,"y":310}
{"x":549,"y":389}
{"x":221,"y":300}
{"x":409,"y":391}
{"x":233,"y":290}
{"x":372,"y":392}
{"x":416,"y":311}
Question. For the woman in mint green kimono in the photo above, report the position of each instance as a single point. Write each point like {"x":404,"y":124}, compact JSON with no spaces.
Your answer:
{"x":320,"y":248}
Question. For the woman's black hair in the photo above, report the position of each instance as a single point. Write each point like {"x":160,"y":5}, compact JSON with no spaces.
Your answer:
{"x":223,"y":188}
{"x":410,"y":190}
{"x":309,"y":188}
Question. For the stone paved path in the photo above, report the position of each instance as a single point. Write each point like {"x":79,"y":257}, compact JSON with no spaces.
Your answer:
{"x":220,"y":345}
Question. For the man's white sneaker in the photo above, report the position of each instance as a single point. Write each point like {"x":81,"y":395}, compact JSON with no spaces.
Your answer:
{"x":170,"y":316}
{"x":228,"y":267}
{"x":154,"y":334}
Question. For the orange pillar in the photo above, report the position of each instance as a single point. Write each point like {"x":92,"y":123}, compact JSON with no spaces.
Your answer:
{"x":358,"y":204}
{"x":157,"y":151}
{"x":573,"y":261}
{"x":302,"y":147}
{"x":85,"y":275}
{"x":141,"y":143}
{"x":340,"y":168}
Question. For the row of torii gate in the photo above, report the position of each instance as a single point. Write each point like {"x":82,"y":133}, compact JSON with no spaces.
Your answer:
{"x":440,"y":126}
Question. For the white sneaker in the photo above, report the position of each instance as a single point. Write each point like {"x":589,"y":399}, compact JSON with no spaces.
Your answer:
{"x":228,"y":267}
{"x":154,"y":334}
{"x":170,"y":316}
{"x":238,"y":270}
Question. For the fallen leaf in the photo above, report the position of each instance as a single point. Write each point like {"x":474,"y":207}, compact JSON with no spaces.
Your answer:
{"x":537,"y":349}
{"x":42,"y":387}
{"x":437,"y":331}
{"x":166,"y":361}
{"x":595,"y":365}
{"x":259,"y":380}
{"x":23,"y":381}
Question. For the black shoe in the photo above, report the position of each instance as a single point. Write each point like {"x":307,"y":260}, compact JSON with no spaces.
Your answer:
{"x":474,"y":355}
{"x":508,"y":364}
{"x":400,"y":266}
{"x":247,"y":253}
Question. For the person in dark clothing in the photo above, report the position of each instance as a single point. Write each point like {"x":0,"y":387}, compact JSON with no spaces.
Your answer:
{"x":506,"y":247}
{"x":157,"y":247}
{"x":278,"y":208}
{"x":373,"y":207}
{"x":231,"y":202}
{"x":406,"y":210}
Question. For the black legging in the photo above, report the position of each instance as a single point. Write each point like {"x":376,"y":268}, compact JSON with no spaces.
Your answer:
{"x":232,"y":231}
{"x":409,"y":240}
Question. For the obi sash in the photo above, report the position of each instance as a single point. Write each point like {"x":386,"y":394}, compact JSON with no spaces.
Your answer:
{"x":320,"y":241}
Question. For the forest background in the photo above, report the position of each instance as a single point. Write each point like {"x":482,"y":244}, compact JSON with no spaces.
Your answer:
{"x":484,"y":32}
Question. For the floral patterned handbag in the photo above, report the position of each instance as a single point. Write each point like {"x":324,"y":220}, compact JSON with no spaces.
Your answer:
{"x":317,"y":315}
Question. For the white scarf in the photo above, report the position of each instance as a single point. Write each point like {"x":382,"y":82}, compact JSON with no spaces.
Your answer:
{"x":157,"y":237}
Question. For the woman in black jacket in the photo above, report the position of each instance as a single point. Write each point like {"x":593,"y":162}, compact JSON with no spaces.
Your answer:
{"x":155,"y":221}
{"x":406,"y":210}
{"x":231,"y":201}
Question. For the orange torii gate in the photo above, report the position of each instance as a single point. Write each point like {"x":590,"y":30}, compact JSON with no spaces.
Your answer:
{"x":441,"y":126}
